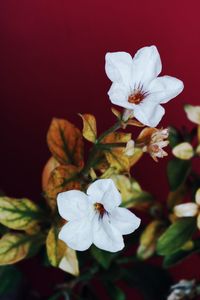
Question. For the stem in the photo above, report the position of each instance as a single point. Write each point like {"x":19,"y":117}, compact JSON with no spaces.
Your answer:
{"x":115,"y":127}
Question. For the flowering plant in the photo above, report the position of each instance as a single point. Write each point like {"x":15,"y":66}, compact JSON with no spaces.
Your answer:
{"x":90,"y":198}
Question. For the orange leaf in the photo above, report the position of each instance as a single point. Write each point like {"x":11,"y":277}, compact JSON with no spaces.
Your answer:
{"x":51,"y":164}
{"x":62,"y":178}
{"x":145,"y":135}
{"x":117,"y":137}
{"x":65,"y":142}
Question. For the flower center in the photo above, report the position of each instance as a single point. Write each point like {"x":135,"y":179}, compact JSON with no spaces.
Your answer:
{"x":137,"y":95}
{"x":100,"y":209}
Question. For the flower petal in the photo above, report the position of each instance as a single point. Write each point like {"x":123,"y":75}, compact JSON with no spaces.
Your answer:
{"x":124,"y":220}
{"x":118,"y":94}
{"x":104,"y":191}
{"x":193,"y":113}
{"x":146,"y":66}
{"x":118,"y":66}
{"x":198,"y":221}
{"x":186,"y":210}
{"x":77,"y":234}
{"x":197,"y":196}
{"x":72,"y":204}
{"x":106,"y":236}
{"x":149,"y":113}
{"x":165,"y":88}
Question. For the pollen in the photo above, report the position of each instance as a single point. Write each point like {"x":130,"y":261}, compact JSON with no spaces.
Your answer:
{"x":137,"y":95}
{"x":100,"y":209}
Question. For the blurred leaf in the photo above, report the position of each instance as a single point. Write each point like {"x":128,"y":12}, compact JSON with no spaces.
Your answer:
{"x":17,"y":246}
{"x":152,"y":281}
{"x":20,"y":214}
{"x":56,"y":296}
{"x":193,"y":113}
{"x":176,"y":236}
{"x":51,"y":164}
{"x":180,"y":255}
{"x":177,"y":171}
{"x":175,"y":137}
{"x":104,"y":258}
{"x":183,"y":151}
{"x":176,"y":197}
{"x":89,"y":127}
{"x":87,"y":293}
{"x":132,"y":193}
{"x":60,"y":255}
{"x":149,"y":238}
{"x":63,"y":178}
{"x":9,"y":278}
{"x":114,"y":291}
{"x":65,"y":142}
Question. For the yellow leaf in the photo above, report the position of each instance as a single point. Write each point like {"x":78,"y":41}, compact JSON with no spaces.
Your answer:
{"x":89,"y":127}
{"x":183,"y":151}
{"x":117,"y":159}
{"x":13,"y":248}
{"x":63,"y":178}
{"x":60,"y":255}
{"x":135,"y":157}
{"x":51,"y":164}
{"x":69,"y":262}
{"x":55,"y":247}
{"x":19,"y":214}
{"x":65,"y":142}
{"x":116,"y":156}
{"x":131,"y":192}
{"x":149,"y":238}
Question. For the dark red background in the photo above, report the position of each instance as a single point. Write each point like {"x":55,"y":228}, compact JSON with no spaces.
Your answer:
{"x":52,"y":64}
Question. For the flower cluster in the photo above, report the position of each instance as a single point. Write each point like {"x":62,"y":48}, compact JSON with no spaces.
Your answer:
{"x":94,"y":216}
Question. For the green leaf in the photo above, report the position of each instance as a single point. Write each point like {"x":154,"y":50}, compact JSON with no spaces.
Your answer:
{"x":152,"y":281}
{"x":17,"y":246}
{"x":176,"y":236}
{"x":104,"y":258}
{"x":19,"y":214}
{"x":115,"y":292}
{"x":180,"y":255}
{"x":10,"y":277}
{"x":175,"y":137}
{"x":178,"y":171}
{"x":87,"y":293}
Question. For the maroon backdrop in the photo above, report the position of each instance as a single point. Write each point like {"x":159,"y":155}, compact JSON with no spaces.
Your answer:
{"x":52,"y":64}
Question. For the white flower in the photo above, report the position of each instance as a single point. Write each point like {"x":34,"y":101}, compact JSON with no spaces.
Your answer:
{"x":130,"y":148}
{"x":95,"y":217}
{"x":136,"y":85}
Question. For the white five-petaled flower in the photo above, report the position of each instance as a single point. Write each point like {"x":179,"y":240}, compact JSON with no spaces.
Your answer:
{"x":95,"y":217}
{"x":136,"y":85}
